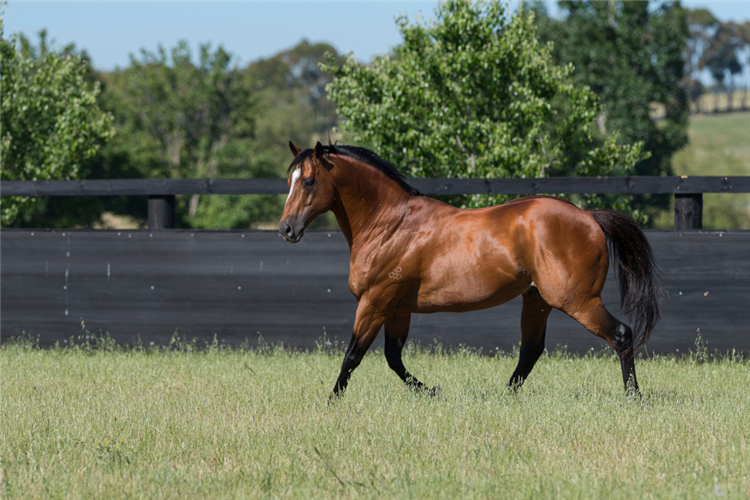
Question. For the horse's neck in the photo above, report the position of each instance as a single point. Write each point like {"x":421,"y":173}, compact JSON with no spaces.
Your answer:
{"x":367,"y":199}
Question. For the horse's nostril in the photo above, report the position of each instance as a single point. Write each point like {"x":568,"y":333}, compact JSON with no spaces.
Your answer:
{"x":288,"y":230}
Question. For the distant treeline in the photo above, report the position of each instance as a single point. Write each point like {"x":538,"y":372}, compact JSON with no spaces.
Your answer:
{"x":722,"y":49}
{"x":706,"y":46}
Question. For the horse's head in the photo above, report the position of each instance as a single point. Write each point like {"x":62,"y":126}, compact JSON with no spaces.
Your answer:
{"x":311,"y":191}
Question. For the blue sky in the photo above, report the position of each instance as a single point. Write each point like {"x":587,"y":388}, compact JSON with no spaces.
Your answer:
{"x":110,"y":31}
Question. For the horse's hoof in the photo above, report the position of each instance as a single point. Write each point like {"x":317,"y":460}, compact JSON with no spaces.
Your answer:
{"x":634,"y":394}
{"x":435,"y":392}
{"x":333,"y":399}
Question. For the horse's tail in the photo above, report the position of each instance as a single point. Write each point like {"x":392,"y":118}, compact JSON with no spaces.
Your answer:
{"x":640,"y":284}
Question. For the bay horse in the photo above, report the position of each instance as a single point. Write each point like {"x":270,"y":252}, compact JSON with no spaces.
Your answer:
{"x":413,"y":254}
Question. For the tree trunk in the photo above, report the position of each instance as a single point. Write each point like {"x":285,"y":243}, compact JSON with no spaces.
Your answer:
{"x":193,"y":208}
{"x":730,"y":94}
{"x":213,"y":166}
{"x":601,"y":123}
{"x":716,"y":101}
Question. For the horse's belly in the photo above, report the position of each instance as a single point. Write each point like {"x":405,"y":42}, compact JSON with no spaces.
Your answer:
{"x":475,"y":271}
{"x":469,"y":294}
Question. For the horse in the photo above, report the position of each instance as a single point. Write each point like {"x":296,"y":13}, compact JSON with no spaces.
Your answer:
{"x":411,"y":254}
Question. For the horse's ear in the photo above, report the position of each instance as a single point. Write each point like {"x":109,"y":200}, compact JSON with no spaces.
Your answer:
{"x":295,"y":149}
{"x":318,"y":151}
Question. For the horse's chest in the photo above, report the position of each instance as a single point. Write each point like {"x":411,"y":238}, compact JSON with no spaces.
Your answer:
{"x":356,"y":283}
{"x":362,"y":279}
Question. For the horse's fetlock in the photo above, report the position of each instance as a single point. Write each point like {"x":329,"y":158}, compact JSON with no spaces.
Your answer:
{"x":532,"y":352}
{"x":623,"y":338}
{"x":393,"y":363}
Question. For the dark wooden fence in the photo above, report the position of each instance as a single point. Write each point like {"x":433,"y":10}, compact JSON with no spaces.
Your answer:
{"x":688,"y":191}
{"x":242,"y":284}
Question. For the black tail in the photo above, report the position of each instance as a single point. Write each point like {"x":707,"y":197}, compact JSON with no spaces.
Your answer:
{"x":641,"y":290}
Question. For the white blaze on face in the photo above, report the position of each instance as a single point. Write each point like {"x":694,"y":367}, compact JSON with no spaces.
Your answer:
{"x":295,"y":176}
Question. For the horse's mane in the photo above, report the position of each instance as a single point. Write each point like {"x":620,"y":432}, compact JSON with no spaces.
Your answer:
{"x":361,"y":154}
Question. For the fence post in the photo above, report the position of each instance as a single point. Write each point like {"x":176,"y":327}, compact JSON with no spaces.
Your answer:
{"x":160,"y":212}
{"x":688,"y":211}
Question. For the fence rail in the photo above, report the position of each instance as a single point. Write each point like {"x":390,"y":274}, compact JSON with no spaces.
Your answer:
{"x":547,"y":185}
{"x":688,"y":190}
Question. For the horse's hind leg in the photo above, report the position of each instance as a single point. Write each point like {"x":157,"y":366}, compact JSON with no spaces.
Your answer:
{"x":533,"y":329}
{"x":595,"y":317}
{"x":396,"y":331}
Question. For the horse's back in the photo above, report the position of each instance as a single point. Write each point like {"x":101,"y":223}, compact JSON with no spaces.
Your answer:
{"x":532,"y":220}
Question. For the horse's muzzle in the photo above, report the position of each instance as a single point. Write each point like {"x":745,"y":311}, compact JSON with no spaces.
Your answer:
{"x":291,"y":233}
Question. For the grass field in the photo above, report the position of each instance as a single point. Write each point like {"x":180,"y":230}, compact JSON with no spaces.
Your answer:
{"x":238,"y":424}
{"x":719,"y":145}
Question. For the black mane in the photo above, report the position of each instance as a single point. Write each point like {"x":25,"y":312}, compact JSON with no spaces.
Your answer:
{"x":361,"y":154}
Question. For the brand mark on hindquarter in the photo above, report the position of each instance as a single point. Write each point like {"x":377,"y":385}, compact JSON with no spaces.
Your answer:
{"x":395,"y":274}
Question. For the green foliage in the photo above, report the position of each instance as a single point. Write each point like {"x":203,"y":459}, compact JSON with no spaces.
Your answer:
{"x":181,"y":118}
{"x":51,"y":121}
{"x":293,"y":105}
{"x":292,"y":100}
{"x":632,"y":55}
{"x":110,"y":162}
{"x":474,"y":94}
{"x":176,"y":117}
{"x":186,"y":113}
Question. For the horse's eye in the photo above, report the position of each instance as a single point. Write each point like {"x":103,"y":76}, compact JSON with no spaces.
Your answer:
{"x":308,"y":183}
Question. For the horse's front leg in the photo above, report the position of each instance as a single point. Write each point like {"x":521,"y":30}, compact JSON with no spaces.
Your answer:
{"x":366,"y":327}
{"x":396,"y":331}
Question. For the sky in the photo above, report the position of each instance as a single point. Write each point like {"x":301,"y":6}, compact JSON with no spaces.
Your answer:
{"x":110,"y":31}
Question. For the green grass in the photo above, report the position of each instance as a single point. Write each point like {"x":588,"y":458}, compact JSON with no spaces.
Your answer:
{"x":112,"y":423}
{"x":719,"y":145}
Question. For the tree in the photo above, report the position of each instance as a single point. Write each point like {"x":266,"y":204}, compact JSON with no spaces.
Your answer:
{"x":51,"y":122}
{"x":81,"y":211}
{"x":632,"y":55}
{"x":474,"y":94}
{"x":214,"y":119}
{"x":180,"y":119}
{"x":292,"y":100}
{"x":721,"y":56}
{"x":700,"y":23}
{"x":293,"y":104}
{"x":744,"y":32}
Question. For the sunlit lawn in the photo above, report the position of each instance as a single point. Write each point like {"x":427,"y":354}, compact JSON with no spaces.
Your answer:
{"x":238,"y":424}
{"x":719,"y":145}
